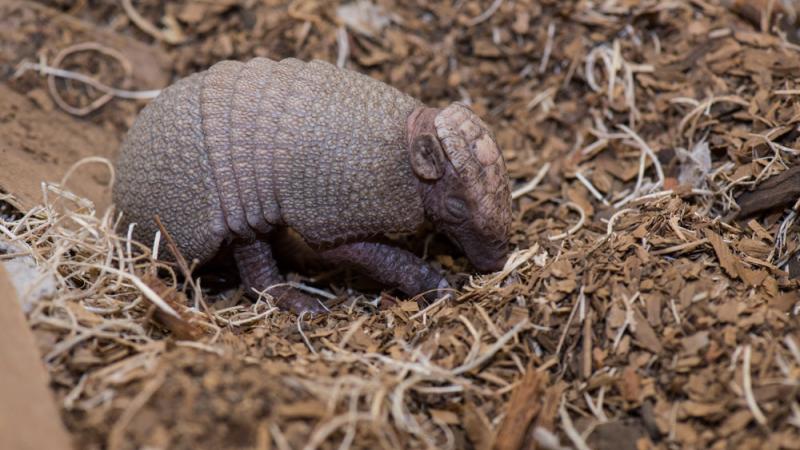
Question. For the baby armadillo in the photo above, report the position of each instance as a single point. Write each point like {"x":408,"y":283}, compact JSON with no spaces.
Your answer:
{"x":229,"y":156}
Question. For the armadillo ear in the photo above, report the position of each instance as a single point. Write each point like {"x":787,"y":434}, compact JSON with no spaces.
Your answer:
{"x":427,"y":157}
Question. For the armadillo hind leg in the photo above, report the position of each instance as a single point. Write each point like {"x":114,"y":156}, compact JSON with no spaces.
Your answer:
{"x":259,"y":272}
{"x":390,"y":266}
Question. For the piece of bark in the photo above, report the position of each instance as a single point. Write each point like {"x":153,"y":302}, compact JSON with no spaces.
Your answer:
{"x":477,"y":426}
{"x":38,"y":146}
{"x":645,"y":334}
{"x":779,"y":191}
{"x":29,"y":418}
{"x":727,"y":260}
{"x":762,"y":13}
{"x":526,"y":401}
{"x":546,"y":417}
{"x":182,"y":327}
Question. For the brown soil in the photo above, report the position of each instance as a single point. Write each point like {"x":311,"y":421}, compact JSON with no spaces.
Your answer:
{"x":658,"y":318}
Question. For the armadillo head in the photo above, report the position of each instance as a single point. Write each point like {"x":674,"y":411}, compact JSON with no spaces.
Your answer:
{"x":464,"y":180}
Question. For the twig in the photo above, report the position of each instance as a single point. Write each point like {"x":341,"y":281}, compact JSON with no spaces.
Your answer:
{"x":704,"y":108}
{"x":310,"y":290}
{"x":586,"y":363}
{"x":674,"y":310}
{"x":612,"y":219}
{"x":344,"y":46}
{"x":630,"y":319}
{"x":277,"y":435}
{"x":486,"y":14}
{"x":494,"y":348}
{"x":597,"y":410}
{"x":149,"y":293}
{"x":577,"y":208}
{"x":548,"y":47}
{"x":173,"y":248}
{"x":68,"y":74}
{"x":748,"y":389}
{"x":614,"y":62}
{"x":109,"y":92}
{"x":302,"y":334}
{"x":172,"y":35}
{"x":352,"y":331}
{"x":793,"y":349}
{"x":87,"y":160}
{"x":156,"y":244}
{"x":127,"y":67}
{"x":591,"y":188}
{"x":433,"y":305}
{"x":545,"y":98}
{"x":531,"y":185}
{"x":680,"y":247}
{"x":569,"y":428}
{"x":595,"y":146}
{"x":566,"y":327}
{"x":200,"y":346}
{"x":649,"y":151}
{"x":639,"y":181}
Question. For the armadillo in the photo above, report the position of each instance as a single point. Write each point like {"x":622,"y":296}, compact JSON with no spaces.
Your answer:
{"x":227,"y":156}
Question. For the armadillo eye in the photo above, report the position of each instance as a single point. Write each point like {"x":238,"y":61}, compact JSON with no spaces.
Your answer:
{"x":457,"y":207}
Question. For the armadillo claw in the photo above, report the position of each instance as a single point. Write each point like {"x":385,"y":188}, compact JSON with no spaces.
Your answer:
{"x":300,"y":303}
{"x":443,"y":288}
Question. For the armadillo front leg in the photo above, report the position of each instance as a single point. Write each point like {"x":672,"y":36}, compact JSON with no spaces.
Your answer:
{"x":388,"y":265}
{"x":258,"y":270}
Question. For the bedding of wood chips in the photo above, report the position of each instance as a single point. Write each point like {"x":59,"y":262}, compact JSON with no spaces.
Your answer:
{"x":638,"y":310}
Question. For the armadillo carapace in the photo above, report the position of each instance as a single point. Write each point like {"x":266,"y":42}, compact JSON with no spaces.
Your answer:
{"x":227,"y":156}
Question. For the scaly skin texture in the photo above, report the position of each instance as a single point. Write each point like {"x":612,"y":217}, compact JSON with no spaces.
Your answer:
{"x":227,"y":156}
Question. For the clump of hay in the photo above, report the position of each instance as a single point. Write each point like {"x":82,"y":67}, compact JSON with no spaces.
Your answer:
{"x":113,"y":323}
